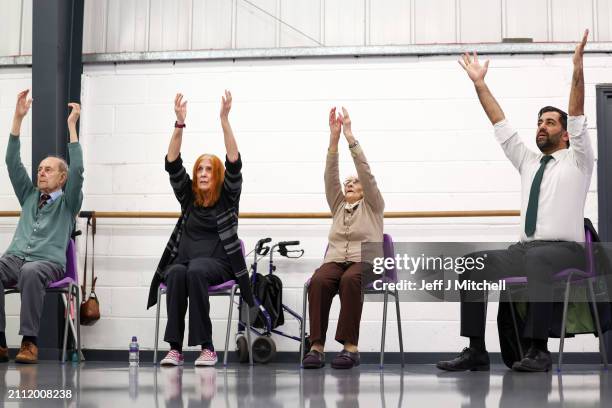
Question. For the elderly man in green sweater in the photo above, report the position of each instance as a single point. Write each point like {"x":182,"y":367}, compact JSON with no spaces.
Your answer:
{"x":37,"y":255}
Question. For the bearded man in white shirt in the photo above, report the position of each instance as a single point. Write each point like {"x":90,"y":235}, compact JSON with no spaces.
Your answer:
{"x":554,"y":184}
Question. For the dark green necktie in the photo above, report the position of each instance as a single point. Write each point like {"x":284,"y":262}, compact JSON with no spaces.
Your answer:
{"x":534,"y":196}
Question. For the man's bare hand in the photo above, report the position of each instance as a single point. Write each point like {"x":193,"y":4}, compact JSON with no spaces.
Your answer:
{"x":579,"y":53}
{"x":472,"y":66}
{"x":75,"y":113}
{"x":23,"y":104}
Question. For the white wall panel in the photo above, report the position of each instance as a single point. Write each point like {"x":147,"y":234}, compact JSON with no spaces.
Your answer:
{"x":442,"y":147}
{"x":128,"y":25}
{"x":570,"y":18}
{"x":435,"y":21}
{"x":26,"y":28}
{"x":257,"y":25}
{"x":10,"y":21}
{"x":604,"y":20}
{"x":526,"y":19}
{"x":305,"y":15}
{"x":170,"y":25}
{"x":344,"y":22}
{"x":480,"y":21}
{"x":212,"y":24}
{"x":390,"y":22}
{"x":94,"y":26}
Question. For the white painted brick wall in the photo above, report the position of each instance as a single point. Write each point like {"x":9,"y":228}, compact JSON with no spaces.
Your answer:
{"x":418,"y":119}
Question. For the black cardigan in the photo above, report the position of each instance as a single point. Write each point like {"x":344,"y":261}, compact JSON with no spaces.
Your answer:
{"x":227,"y":224}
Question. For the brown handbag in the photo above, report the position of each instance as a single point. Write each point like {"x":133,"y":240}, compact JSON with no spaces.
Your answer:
{"x":90,"y":307}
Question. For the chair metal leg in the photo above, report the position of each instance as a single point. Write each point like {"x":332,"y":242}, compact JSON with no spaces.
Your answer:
{"x":399,"y":326}
{"x":72,"y":322}
{"x":303,"y":331}
{"x":384,"y":329}
{"x":77,"y":313}
{"x":248,"y":333}
{"x":66,"y":319}
{"x":602,"y":346}
{"x":563,"y":319}
{"x":514,"y":324}
{"x":156,"y":326}
{"x":229,"y":323}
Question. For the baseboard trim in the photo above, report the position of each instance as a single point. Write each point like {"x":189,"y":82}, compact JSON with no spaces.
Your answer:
{"x":146,"y":357}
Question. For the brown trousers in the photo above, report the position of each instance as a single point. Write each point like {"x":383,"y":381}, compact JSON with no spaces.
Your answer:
{"x":337,"y":278}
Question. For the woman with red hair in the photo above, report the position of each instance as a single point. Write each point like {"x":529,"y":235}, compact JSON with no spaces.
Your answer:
{"x":204,"y":249}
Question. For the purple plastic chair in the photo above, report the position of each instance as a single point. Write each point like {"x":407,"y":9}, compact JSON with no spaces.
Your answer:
{"x":570,"y":276}
{"x":390,"y":276}
{"x":229,"y":288}
{"x":69,"y":287}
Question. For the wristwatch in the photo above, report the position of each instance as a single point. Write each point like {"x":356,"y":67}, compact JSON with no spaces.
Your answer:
{"x":354,"y":144}
{"x":178,"y":125}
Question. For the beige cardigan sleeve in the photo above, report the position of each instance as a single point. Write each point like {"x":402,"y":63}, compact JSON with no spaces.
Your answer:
{"x":371,"y":193}
{"x":333,"y":188}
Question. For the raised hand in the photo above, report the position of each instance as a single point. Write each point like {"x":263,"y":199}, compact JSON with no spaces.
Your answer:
{"x":477,"y":74}
{"x":346,"y":125}
{"x":335,"y":125}
{"x":226,"y":104}
{"x":472,"y":66}
{"x":579,"y":52}
{"x":74,"y":114}
{"x":180,"y":108}
{"x":576,"y":100}
{"x":23,"y":104}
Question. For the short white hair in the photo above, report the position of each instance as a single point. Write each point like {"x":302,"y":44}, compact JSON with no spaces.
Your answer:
{"x":61,"y":164}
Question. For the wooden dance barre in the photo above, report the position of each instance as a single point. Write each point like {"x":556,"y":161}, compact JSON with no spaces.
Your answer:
{"x":299,"y":215}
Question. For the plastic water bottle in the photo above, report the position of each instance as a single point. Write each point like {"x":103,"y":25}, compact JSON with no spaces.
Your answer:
{"x":133,"y":384}
{"x":134,"y":352}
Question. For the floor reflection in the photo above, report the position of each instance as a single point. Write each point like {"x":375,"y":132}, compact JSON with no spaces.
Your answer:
{"x":106,"y":384}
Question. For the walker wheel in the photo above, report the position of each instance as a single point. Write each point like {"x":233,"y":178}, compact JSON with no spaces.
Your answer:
{"x":264,"y":349}
{"x":242,"y":349}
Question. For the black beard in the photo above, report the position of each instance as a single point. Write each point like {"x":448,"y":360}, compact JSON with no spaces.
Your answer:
{"x":549,"y":142}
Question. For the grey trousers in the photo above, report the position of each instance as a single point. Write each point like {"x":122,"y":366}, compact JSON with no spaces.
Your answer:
{"x":31,"y":279}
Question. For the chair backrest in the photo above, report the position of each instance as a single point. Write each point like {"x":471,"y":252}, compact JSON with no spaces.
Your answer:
{"x":389,"y":252}
{"x":71,"y":262}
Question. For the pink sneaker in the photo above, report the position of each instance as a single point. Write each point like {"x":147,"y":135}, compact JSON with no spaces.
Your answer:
{"x":173,"y":358}
{"x":207,"y":358}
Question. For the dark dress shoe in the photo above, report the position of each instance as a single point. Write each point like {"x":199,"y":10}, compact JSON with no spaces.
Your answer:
{"x":535,"y":361}
{"x":313,"y":359}
{"x":345,"y":360}
{"x":469,"y":359}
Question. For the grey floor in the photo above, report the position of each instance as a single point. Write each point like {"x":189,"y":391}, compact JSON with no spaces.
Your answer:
{"x":281,"y":385}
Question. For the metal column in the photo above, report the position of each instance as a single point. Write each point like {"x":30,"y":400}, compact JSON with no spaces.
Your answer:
{"x":57,"y":36}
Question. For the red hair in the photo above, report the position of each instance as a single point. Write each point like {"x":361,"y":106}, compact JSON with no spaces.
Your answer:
{"x":210,"y":197}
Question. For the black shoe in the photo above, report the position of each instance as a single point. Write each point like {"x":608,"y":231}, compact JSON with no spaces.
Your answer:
{"x":469,"y":359}
{"x":535,"y":361}
{"x":345,"y":360}
{"x":313,"y":359}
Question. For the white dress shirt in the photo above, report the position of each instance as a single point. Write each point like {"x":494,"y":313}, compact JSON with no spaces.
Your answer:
{"x":565,"y":184}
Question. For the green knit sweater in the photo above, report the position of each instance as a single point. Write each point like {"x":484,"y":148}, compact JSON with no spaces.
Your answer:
{"x":42,"y":235}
